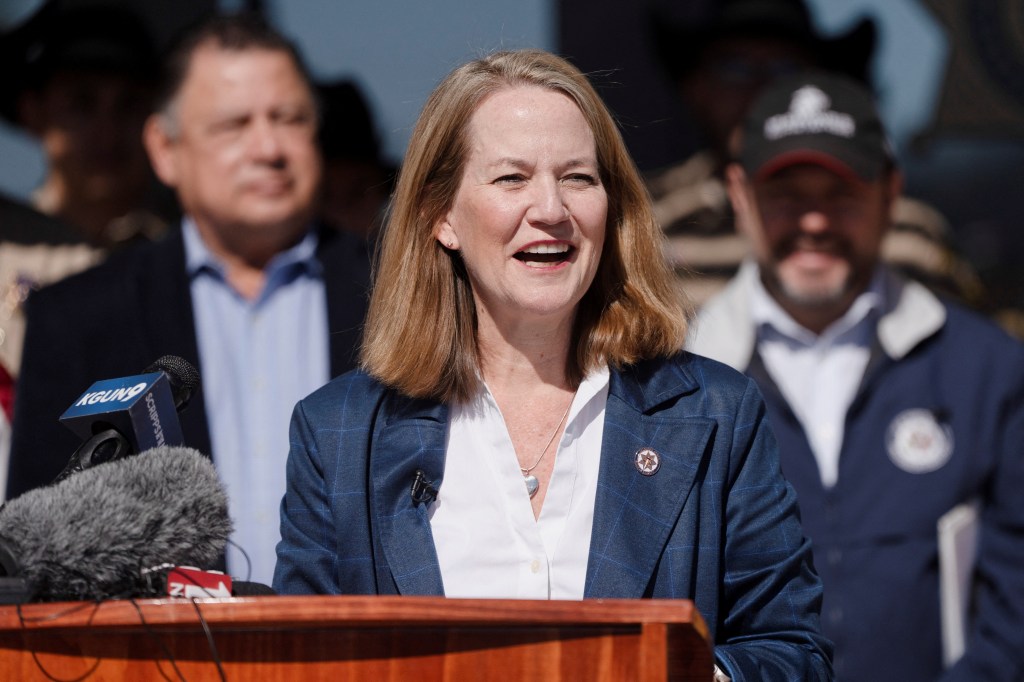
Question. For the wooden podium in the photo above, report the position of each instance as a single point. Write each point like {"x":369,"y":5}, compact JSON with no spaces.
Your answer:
{"x":380,"y":639}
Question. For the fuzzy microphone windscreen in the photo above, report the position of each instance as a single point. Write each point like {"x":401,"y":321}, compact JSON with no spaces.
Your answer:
{"x":92,"y":535}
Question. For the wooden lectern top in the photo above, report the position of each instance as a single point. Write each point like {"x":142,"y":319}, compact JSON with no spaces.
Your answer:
{"x":356,"y":638}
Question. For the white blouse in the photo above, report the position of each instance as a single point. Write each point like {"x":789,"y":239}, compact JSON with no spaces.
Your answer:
{"x":488,"y":543}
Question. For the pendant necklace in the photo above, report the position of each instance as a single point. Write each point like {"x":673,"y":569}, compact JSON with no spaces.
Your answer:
{"x":532,"y":484}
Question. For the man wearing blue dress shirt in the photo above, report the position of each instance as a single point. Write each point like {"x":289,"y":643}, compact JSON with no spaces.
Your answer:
{"x":266,"y":305}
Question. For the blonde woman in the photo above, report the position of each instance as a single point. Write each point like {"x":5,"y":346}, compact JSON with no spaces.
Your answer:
{"x":523,"y":424}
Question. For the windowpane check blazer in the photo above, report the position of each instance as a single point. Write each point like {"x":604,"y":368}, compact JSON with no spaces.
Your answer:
{"x":716,"y":523}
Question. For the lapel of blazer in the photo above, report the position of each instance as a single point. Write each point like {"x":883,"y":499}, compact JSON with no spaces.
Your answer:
{"x":165,"y":306}
{"x":410,"y":438}
{"x":635,"y":514}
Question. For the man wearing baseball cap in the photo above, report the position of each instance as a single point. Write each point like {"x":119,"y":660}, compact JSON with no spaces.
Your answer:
{"x":896,"y":411}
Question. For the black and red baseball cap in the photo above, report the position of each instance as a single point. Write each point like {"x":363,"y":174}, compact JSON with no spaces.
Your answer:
{"x":819,"y":118}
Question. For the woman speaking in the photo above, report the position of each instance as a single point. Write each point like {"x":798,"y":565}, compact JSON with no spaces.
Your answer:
{"x":523,"y":424}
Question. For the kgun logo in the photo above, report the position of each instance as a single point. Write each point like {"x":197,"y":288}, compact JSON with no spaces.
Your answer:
{"x":140,"y":407}
{"x":123,"y":395}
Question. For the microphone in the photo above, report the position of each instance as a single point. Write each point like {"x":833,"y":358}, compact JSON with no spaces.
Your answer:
{"x":423,"y":490}
{"x":182,"y":376}
{"x":102,"y":533}
{"x":119,"y":417}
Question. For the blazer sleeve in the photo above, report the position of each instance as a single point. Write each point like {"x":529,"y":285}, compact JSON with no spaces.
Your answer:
{"x":326,"y":538}
{"x":771,"y":595}
{"x":305,"y":555}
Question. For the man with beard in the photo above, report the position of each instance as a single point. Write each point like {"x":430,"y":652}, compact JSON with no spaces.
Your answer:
{"x":895,"y":410}
{"x":718,"y":60}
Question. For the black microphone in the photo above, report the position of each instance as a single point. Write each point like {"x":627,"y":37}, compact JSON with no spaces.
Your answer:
{"x":423,"y":490}
{"x":104,"y":532}
{"x":119,"y":417}
{"x":182,"y":376}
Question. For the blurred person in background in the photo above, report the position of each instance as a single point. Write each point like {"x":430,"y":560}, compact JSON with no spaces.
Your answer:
{"x":83,"y":86}
{"x":262,"y":299}
{"x":895,"y":410}
{"x":79,"y":80}
{"x":718,"y":65}
{"x":357,"y":179}
{"x":34,"y":249}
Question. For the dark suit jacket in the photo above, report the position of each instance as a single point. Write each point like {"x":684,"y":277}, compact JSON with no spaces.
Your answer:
{"x":117,"y":318}
{"x":716,"y":523}
{"x":22,"y":224}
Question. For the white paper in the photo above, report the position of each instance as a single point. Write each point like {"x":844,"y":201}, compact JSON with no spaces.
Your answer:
{"x":958,"y":547}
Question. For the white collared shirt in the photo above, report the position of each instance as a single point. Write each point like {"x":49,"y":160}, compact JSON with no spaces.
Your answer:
{"x":488,"y":543}
{"x":818,"y":375}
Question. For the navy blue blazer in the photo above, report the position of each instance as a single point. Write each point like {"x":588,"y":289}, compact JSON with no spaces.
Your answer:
{"x":717,"y":523}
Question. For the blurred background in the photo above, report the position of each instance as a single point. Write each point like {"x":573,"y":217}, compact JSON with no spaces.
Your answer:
{"x":949,"y":75}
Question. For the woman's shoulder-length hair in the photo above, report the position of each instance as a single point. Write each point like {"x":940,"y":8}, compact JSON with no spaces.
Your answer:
{"x":420,"y":334}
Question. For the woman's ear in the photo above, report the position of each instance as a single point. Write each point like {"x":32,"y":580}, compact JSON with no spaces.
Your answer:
{"x":445,"y":234}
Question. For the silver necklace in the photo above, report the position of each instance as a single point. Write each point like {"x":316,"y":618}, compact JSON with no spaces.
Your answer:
{"x":532,"y":484}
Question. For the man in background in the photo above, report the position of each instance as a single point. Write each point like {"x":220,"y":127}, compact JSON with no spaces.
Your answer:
{"x":250,"y":290}
{"x":718,"y":66}
{"x":893,"y":409}
{"x":81,"y":83}
{"x":34,"y":248}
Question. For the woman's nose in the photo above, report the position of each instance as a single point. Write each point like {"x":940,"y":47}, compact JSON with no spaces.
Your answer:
{"x":548,"y":205}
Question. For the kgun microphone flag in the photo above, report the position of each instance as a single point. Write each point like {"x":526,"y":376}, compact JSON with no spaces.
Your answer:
{"x":119,"y":417}
{"x":106,"y":532}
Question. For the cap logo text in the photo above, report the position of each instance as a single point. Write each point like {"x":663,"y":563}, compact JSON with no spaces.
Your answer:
{"x":809,"y":115}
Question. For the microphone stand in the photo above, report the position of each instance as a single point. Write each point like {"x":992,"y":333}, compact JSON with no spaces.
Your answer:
{"x":105,"y":446}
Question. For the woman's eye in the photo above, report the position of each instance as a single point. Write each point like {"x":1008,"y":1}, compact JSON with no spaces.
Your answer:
{"x":509,"y":179}
{"x":581,"y":179}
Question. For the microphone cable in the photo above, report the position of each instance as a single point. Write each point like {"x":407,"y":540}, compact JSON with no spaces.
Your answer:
{"x":153,"y":634}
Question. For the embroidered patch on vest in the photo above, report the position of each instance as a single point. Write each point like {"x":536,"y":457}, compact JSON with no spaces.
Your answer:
{"x":917,"y":442}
